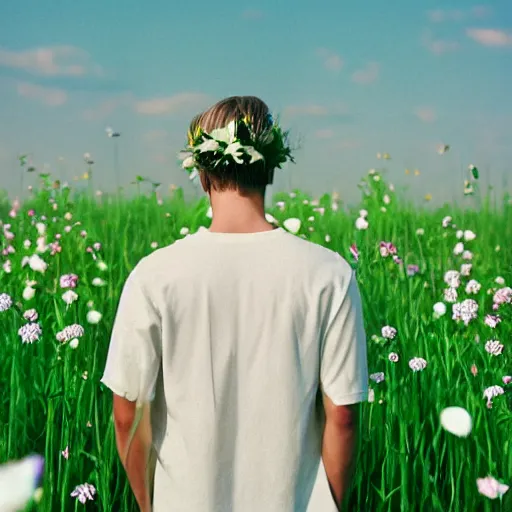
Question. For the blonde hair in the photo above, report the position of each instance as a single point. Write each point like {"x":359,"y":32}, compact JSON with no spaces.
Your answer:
{"x":236,"y":177}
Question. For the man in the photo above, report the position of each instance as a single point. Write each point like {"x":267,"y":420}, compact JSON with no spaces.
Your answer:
{"x":235,"y":334}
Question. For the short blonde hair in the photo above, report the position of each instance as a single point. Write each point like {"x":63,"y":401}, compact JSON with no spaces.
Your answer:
{"x":234,"y":108}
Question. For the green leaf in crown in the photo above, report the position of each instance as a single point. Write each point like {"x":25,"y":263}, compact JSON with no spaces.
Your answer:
{"x":235,"y":143}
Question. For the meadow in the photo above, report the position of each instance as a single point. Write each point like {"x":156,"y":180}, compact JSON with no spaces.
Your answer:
{"x":438,"y":315}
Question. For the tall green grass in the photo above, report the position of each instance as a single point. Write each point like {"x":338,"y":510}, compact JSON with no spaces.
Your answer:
{"x":407,"y":462}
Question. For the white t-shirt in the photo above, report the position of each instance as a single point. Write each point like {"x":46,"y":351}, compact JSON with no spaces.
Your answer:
{"x":231,"y":335}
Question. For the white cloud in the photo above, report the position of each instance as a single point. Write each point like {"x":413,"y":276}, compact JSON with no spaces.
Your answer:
{"x":438,"y":46}
{"x":170,"y":104}
{"x":46,"y":95}
{"x":50,"y":61}
{"x":442,"y":15}
{"x":331,"y":61}
{"x":368,"y":74}
{"x":426,"y":114}
{"x":490,"y":37}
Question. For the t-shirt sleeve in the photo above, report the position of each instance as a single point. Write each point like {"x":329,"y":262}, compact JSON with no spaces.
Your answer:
{"x":134,"y":354}
{"x":343,"y":363}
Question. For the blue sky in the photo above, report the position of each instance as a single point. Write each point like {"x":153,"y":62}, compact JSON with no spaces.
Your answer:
{"x":350,"y":79}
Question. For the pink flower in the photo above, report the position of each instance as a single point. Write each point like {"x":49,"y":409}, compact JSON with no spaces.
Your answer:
{"x":474,"y":370}
{"x":68,"y":281}
{"x":491,"y":488}
{"x":492,"y":320}
{"x":31,"y":213}
{"x":354,"y":252}
{"x":386,"y":248}
{"x":412,"y":270}
{"x":97,"y":246}
{"x":12,"y":213}
{"x":65,"y":453}
{"x":507,"y":379}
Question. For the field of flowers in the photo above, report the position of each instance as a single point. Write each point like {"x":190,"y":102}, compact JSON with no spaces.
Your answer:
{"x":438,"y":312}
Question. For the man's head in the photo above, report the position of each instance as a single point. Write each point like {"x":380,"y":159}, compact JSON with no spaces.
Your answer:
{"x":243,"y":178}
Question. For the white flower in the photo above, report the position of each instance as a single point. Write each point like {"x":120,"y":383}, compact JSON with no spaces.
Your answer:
{"x":473,"y":287}
{"x":469,"y":235}
{"x":417,"y":364}
{"x":41,"y":228}
{"x":361,"y":223}
{"x":154,"y":245}
{"x":37,"y":264}
{"x":68,"y":216}
{"x":452,"y":278}
{"x":327,"y":238}
{"x":69,"y":297}
{"x":235,"y":149}
{"x":450,"y":295}
{"x":97,"y":281}
{"x":93,"y":317}
{"x":466,"y":311}
{"x":459,"y":233}
{"x":446,"y":221}
{"x":491,"y":488}
{"x":188,"y":163}
{"x":30,"y":332}
{"x":363,"y":213}
{"x":28,"y":292}
{"x":420,"y":231}
{"x":383,"y":209}
{"x":69,"y":332}
{"x":492,"y":321}
{"x":393,"y":357}
{"x":458,"y":249}
{"x":292,"y":224}
{"x":5,"y":302}
{"x":208,"y":145}
{"x":270,"y":218}
{"x":465,"y":269}
{"x":386,"y":199}
{"x":440,"y":309}
{"x":255,"y":155}
{"x":102,"y":266}
{"x":371,"y":395}
{"x":7,"y":266}
{"x":377,"y":377}
{"x":499,"y":280}
{"x":492,"y":392}
{"x":467,"y":255}
{"x":73,"y":343}
{"x":388,"y":332}
{"x":457,"y":421}
{"x":27,"y":244}
{"x":30,"y":315}
{"x":494,"y":347}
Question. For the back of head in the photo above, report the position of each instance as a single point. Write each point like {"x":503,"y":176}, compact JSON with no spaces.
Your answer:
{"x":236,"y":144}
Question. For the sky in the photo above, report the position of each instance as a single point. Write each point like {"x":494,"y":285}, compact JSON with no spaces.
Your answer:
{"x":349,"y":79}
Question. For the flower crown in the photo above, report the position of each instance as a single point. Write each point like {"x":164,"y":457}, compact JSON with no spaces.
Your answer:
{"x":236,"y":144}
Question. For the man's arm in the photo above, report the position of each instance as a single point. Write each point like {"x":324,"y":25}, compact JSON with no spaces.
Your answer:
{"x":338,"y":448}
{"x":133,"y":447}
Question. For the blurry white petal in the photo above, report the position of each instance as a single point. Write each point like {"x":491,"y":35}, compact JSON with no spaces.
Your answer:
{"x":292,"y":225}
{"x":457,"y":421}
{"x":18,"y":482}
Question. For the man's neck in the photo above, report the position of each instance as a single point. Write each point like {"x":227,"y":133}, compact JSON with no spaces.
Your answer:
{"x":233,"y":213}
